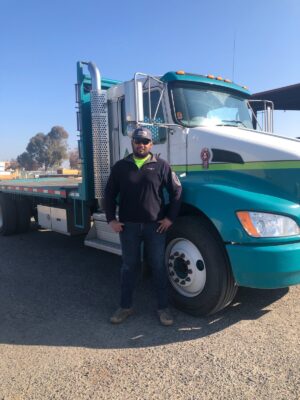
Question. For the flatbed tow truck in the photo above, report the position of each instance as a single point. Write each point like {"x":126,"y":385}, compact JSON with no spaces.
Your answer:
{"x":239,"y":224}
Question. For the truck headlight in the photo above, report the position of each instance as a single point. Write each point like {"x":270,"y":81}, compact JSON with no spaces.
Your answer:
{"x":260,"y":224}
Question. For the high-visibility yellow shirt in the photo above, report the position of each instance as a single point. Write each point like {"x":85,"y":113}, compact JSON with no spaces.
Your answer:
{"x":139,"y":162}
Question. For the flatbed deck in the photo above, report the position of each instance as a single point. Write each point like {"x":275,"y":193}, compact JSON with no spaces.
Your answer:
{"x":57,"y":187}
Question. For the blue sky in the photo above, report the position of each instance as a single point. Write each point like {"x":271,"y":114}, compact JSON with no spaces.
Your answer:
{"x":40,"y":42}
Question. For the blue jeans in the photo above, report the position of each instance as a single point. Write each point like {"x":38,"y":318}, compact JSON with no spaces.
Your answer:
{"x":131,"y":237}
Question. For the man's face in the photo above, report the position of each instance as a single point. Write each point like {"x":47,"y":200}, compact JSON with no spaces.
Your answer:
{"x":141,"y":147}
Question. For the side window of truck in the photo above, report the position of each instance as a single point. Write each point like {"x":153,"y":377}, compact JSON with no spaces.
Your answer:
{"x":159,"y":134}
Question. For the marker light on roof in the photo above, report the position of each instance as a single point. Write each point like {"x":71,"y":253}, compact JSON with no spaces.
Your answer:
{"x":180,"y":72}
{"x":219,"y":78}
{"x":211,"y":76}
{"x":227,"y":80}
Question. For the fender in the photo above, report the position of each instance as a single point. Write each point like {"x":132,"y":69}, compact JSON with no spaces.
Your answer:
{"x":220,"y":194}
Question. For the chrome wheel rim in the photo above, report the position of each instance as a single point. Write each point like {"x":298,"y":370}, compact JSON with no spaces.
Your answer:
{"x":186,"y":267}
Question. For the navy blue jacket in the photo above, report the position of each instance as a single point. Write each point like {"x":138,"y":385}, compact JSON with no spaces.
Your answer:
{"x":140,"y":191}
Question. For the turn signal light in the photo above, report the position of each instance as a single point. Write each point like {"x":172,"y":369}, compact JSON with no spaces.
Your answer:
{"x":247,"y":223}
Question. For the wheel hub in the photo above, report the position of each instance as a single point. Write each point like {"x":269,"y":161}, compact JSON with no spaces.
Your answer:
{"x":180,"y":267}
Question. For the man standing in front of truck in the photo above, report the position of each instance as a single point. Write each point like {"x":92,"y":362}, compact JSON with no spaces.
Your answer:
{"x":139,"y":180}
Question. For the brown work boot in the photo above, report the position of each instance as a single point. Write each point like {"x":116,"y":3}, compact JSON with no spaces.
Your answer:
{"x":165,"y":317}
{"x":120,"y":315}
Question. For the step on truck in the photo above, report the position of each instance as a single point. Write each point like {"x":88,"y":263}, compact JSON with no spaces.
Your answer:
{"x":239,"y":224}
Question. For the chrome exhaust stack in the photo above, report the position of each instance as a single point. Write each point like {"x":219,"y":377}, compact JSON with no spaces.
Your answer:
{"x":100,"y":134}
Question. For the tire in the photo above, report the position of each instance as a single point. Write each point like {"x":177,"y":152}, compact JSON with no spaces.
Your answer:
{"x":23,"y":207}
{"x":201,"y":281}
{"x":8,"y":215}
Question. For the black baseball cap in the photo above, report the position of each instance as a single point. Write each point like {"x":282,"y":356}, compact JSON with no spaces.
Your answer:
{"x":142,"y":133}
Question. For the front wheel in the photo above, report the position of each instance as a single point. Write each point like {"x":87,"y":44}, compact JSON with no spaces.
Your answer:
{"x":200,"y":276}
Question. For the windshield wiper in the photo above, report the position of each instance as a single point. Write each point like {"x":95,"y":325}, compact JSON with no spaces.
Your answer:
{"x":232,"y":121}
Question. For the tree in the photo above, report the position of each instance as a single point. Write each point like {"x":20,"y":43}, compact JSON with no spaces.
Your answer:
{"x":25,"y":161}
{"x":56,"y":147}
{"x":37,"y":150}
{"x":45,"y":150}
{"x":12,"y":165}
{"x":74,"y":159}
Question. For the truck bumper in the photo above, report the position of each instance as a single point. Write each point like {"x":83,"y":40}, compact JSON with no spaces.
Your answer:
{"x":265,"y":267}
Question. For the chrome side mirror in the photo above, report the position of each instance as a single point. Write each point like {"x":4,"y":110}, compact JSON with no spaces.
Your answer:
{"x":134,"y":107}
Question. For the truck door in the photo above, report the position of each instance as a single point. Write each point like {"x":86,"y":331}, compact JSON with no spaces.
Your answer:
{"x":178,"y":149}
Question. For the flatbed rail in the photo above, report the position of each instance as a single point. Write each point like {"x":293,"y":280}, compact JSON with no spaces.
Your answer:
{"x":46,"y":187}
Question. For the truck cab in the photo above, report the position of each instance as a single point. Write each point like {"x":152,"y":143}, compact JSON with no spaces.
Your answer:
{"x":240,"y":217}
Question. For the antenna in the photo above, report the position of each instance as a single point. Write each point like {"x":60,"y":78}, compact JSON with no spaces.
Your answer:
{"x":233,"y":55}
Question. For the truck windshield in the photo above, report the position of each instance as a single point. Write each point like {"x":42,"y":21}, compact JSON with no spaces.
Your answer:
{"x":199,"y":105}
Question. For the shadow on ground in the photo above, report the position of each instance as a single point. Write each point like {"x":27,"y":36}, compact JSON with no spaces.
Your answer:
{"x":56,"y":292}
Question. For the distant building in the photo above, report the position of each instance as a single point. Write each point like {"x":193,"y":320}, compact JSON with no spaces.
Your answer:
{"x":2,"y":166}
{"x":5,"y":172}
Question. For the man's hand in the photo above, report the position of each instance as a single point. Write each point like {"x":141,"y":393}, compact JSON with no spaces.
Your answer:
{"x":164,"y":225}
{"x":116,"y":226}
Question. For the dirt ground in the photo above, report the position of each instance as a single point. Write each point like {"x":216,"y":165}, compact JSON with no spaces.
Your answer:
{"x":56,"y":341}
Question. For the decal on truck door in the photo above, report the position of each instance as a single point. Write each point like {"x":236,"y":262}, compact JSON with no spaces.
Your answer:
{"x":205,"y":157}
